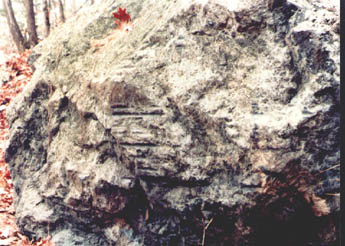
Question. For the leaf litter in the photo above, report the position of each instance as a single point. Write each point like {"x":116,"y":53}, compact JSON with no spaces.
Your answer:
{"x":16,"y":73}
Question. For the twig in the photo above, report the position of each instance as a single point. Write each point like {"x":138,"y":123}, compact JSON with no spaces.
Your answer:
{"x":332,"y":194}
{"x":335,"y":166}
{"x":204,"y":232}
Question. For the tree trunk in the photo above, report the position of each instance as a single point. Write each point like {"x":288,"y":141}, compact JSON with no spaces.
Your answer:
{"x":16,"y":34}
{"x":61,"y":12}
{"x":92,"y":1}
{"x":46,"y":20}
{"x":30,"y":20}
{"x":52,"y":13}
{"x":73,"y":6}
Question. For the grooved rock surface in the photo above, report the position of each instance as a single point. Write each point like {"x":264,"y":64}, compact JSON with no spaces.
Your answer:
{"x":210,"y":123}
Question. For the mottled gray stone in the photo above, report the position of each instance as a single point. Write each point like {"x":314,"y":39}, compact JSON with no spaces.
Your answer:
{"x":211,"y":112}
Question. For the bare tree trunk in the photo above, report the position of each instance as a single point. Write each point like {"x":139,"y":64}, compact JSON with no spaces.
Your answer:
{"x":30,"y":20}
{"x":61,"y":12}
{"x":52,"y":13}
{"x":13,"y":26}
{"x":46,"y":20}
{"x":73,"y":6}
{"x":92,"y":1}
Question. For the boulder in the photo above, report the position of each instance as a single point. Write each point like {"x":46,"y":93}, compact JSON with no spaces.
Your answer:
{"x":209,"y":123}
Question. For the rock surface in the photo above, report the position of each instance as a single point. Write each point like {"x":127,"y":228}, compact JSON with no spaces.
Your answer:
{"x":210,"y":123}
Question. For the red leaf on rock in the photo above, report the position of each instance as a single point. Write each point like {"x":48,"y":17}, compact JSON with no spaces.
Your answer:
{"x":122,"y":16}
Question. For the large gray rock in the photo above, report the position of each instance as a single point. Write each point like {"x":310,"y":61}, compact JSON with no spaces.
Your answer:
{"x":210,"y":123}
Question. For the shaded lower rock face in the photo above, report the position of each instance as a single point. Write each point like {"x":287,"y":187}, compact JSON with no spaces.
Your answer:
{"x":207,"y":124}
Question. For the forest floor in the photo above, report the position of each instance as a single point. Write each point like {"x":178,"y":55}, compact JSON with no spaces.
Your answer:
{"x":15,"y":74}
